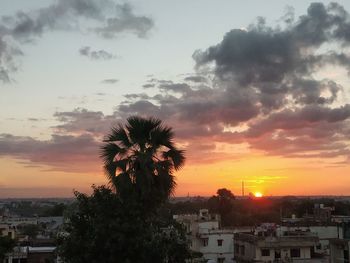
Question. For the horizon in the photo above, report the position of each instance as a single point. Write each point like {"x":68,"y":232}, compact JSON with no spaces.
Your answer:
{"x":260,"y":95}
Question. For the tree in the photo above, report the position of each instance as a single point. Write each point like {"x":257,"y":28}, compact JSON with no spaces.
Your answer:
{"x":222,"y":203}
{"x":139,"y":160}
{"x":6,"y":245}
{"x":122,"y":222}
{"x":29,"y":230}
{"x":104,"y":229}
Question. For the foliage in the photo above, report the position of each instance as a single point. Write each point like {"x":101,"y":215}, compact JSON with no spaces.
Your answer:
{"x":56,"y":210}
{"x":6,"y":245}
{"x":222,"y":203}
{"x":29,"y":230}
{"x":104,"y":229}
{"x":124,"y":223}
{"x":139,"y":159}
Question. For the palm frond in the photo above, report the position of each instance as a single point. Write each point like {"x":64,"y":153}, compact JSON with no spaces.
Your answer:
{"x":110,"y":171}
{"x":139,"y":128}
{"x":176,"y":156}
{"x":162,"y":136}
{"x":109,"y":151}
{"x":119,"y":134}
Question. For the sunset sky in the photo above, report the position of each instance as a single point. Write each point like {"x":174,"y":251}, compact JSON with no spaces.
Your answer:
{"x":255,"y":90}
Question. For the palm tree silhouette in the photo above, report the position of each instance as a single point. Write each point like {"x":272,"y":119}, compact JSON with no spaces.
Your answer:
{"x":139,"y":160}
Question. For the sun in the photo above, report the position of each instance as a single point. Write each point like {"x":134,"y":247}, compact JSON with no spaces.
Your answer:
{"x":258,"y":194}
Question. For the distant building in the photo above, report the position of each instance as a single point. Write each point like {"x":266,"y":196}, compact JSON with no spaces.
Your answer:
{"x":324,"y":233}
{"x":266,"y":244}
{"x":206,"y":236}
{"x":7,"y":230}
{"x":323,"y":213}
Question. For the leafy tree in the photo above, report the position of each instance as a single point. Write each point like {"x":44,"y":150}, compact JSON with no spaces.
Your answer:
{"x":29,"y":230}
{"x":140,"y":158}
{"x":104,"y":229}
{"x":6,"y":245}
{"x":222,"y":203}
{"x":56,"y":210}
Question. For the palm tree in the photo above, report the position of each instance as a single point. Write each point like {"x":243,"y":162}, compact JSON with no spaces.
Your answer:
{"x":139,"y":160}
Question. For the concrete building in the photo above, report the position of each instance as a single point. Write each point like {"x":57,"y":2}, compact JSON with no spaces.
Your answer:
{"x":339,"y":250}
{"x":325,"y":233}
{"x":29,"y":254}
{"x":7,"y":230}
{"x":269,"y":245}
{"x":206,"y":236}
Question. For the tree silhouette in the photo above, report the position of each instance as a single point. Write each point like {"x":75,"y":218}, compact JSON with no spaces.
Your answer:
{"x":6,"y":245}
{"x":139,"y":160}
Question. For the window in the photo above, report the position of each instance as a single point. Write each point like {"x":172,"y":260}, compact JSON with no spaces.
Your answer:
{"x":318,"y":246}
{"x":236,"y":248}
{"x":242,"y":249}
{"x":265,"y":252}
{"x":346,"y":255}
{"x":277,"y":254}
{"x":295,"y":252}
{"x":220,"y":242}
{"x":205,"y":242}
{"x":221,"y":260}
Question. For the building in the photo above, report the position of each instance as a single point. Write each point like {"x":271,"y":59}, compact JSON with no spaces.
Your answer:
{"x":325,"y":233}
{"x":206,"y":236}
{"x":28,"y":254}
{"x":7,"y":230}
{"x":265,"y":244}
{"x":339,"y":250}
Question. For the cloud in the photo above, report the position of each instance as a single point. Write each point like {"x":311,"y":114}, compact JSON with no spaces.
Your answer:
{"x":127,"y":21}
{"x":196,"y":79}
{"x":73,"y":146}
{"x":62,"y":152}
{"x":83,"y":121}
{"x":264,"y":89}
{"x":108,"y":20}
{"x":110,"y":81}
{"x":265,"y":95}
{"x":96,"y":54}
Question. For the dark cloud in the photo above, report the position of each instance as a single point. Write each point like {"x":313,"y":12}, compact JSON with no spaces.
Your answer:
{"x":96,"y":54}
{"x":110,"y":81}
{"x":107,"y":20}
{"x":73,"y":146}
{"x":196,"y":79}
{"x":265,"y":94}
{"x":263,"y":90}
{"x":64,"y":153}
{"x":81,"y":121}
{"x":149,"y":85}
{"x":127,"y":21}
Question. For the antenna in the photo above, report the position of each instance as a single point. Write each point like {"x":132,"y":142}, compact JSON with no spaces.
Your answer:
{"x":242,"y":188}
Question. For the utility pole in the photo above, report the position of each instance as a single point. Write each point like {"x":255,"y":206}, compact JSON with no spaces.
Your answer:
{"x":242,"y":188}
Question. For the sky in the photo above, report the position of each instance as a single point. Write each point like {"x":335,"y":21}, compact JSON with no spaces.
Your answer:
{"x":255,"y":91}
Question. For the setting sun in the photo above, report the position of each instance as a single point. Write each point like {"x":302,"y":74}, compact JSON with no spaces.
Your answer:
{"x":258,"y":194}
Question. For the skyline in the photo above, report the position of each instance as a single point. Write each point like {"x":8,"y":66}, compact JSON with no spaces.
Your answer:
{"x":260,"y":100}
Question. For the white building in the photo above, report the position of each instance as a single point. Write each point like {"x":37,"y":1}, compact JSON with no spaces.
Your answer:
{"x":207,"y":237}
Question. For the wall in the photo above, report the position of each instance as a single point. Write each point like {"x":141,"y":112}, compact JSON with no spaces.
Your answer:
{"x":213,"y":250}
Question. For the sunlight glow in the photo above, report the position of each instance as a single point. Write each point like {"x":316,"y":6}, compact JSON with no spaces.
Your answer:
{"x":258,"y":194}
